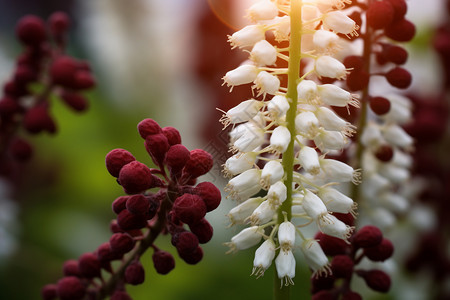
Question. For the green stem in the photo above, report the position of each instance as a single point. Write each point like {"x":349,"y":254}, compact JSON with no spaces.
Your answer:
{"x":283,"y":292}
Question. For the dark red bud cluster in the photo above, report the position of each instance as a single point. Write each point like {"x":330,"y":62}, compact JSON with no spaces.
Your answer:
{"x":357,"y":78}
{"x":366,"y":242}
{"x":159,"y":201}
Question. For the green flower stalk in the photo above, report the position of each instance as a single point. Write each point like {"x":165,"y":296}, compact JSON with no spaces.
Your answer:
{"x":282,"y":178}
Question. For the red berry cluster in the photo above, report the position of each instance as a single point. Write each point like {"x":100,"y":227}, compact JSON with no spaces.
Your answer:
{"x":162,"y":200}
{"x":42,"y":70}
{"x":366,"y":242}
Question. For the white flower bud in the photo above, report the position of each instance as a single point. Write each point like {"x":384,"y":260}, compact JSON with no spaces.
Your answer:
{"x":252,"y":138}
{"x":280,"y":139}
{"x":263,"y":53}
{"x":327,"y":66}
{"x":339,"y":171}
{"x":285,"y":264}
{"x":278,"y":106}
{"x":340,"y":23}
{"x":400,"y":111}
{"x":336,"y":96}
{"x":271,"y":173}
{"x":243,"y":112}
{"x":243,"y":184}
{"x":277,"y":194}
{"x":313,"y":206}
{"x":336,"y":201}
{"x":281,"y":27}
{"x":286,"y":236}
{"x":262,"y":10}
{"x":397,"y":136}
{"x":394,"y":202}
{"x":241,"y":212}
{"x":371,"y":136}
{"x":315,"y":257}
{"x":264,"y":256}
{"x":266,"y":83}
{"x":382,"y":218}
{"x":307,"y":91}
{"x":330,"y":140}
{"x":241,"y":75}
{"x":325,"y":40}
{"x":326,"y":5}
{"x":239,"y":163}
{"x":247,"y":36}
{"x":310,"y":13}
{"x":263,"y":213}
{"x":402,"y":159}
{"x":309,"y":159}
{"x":330,"y":121}
{"x":373,"y":184}
{"x":306,"y":123}
{"x":332,"y":226}
{"x":394,"y":173}
{"x":245,"y":239}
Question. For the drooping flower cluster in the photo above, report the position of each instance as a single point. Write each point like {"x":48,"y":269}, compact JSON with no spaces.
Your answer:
{"x":386,"y":159}
{"x":42,"y":71}
{"x":282,"y":179}
{"x":160,"y":201}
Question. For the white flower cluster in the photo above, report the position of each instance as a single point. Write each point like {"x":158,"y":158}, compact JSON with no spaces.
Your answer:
{"x":382,"y":179}
{"x":261,"y":135}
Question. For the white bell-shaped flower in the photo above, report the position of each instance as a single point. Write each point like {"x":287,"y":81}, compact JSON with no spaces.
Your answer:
{"x":244,"y":184}
{"x":247,"y":36}
{"x":263,"y":53}
{"x":252,"y":138}
{"x":336,"y":201}
{"x":262,"y":214}
{"x":271,"y":173}
{"x":239,"y":163}
{"x":279,"y":140}
{"x":402,"y":159}
{"x":285,"y":265}
{"x":241,"y":75}
{"x":339,"y":171}
{"x":264,"y":256}
{"x":241,"y":212}
{"x":327,"y":140}
{"x":326,"y":41}
{"x":281,"y":27}
{"x":262,"y":10}
{"x":332,"y":226}
{"x":397,"y":136}
{"x":400,"y":111}
{"x":243,"y":112}
{"x":394,"y":202}
{"x":306,"y":123}
{"x":330,"y":121}
{"x":266,"y":83}
{"x":277,"y":194}
{"x":314,"y":206}
{"x":339,"y":23}
{"x":336,"y":96}
{"x":307,"y":91}
{"x":245,"y":239}
{"x":315,"y":257}
{"x":309,"y":160}
{"x":371,"y":136}
{"x":286,"y":236}
{"x":278,"y":106}
{"x":327,"y":66}
{"x":394,"y":173}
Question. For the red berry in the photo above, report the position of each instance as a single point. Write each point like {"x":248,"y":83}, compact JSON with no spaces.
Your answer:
{"x":119,"y":204}
{"x":401,"y":30}
{"x":319,"y":283}
{"x":189,"y":208}
{"x":368,"y":236}
{"x":380,"y":105}
{"x":71,"y":288}
{"x":194,"y":257}
{"x":134,"y":273}
{"x":342,"y":266}
{"x":59,"y":23}
{"x":135,"y":177}
{"x":8,"y":107}
{"x":127,"y":221}
{"x":89,"y":265}
{"x":157,"y":146}
{"x":84,"y":80}
{"x":384,"y":153}
{"x":381,"y":252}
{"x":31,"y":30}
{"x":70,"y":268}
{"x":148,"y":127}
{"x":377,"y":280}
{"x":120,"y":295}
{"x":357,"y":80}
{"x":121,"y":243}
{"x":137,"y":204}
{"x":38,"y":119}
{"x":24,"y":74}
{"x":354,"y":62}
{"x":186,"y":243}
{"x":49,"y":292}
{"x":400,"y":8}
{"x":379,"y":14}
{"x":176,"y":158}
{"x":331,"y":245}
{"x":63,"y":70}
{"x":399,"y":77}
{"x":396,"y":54}
{"x":199,"y":164}
{"x":172,"y":135}
{"x":21,"y":149}
{"x":74,"y":100}
{"x":210,"y":194}
{"x":105,"y":254}
{"x":350,"y":295}
{"x":163,"y":262}
{"x":116,"y":159}
{"x":203,"y":230}
{"x":323,"y":295}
